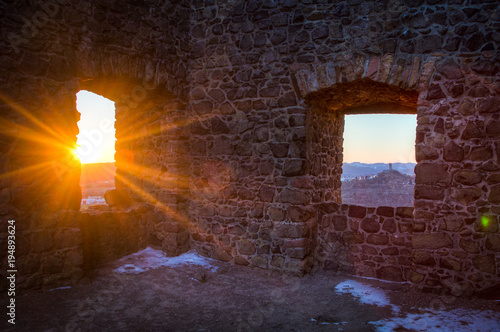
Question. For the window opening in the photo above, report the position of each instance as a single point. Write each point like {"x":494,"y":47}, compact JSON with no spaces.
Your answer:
{"x":379,"y":159}
{"x":95,"y":147}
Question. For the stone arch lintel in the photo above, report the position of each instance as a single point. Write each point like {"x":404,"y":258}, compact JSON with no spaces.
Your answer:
{"x":405,"y":72}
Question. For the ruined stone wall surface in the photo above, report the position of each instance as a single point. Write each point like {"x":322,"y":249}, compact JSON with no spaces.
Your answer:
{"x":372,"y":242}
{"x":49,"y":51}
{"x":234,"y":153}
{"x":254,"y":62}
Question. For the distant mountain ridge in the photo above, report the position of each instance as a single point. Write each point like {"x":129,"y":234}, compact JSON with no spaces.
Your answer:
{"x":352,"y":170}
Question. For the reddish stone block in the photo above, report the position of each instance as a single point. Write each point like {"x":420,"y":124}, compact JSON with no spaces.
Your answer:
{"x":431,"y":241}
{"x":372,"y":69}
{"x":390,"y":273}
{"x":385,"y":211}
{"x":357,"y":211}
{"x":377,"y":239}
{"x":298,"y":243}
{"x":370,"y":225}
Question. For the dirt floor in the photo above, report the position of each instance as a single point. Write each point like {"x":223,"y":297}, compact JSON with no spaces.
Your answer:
{"x":232,"y":298}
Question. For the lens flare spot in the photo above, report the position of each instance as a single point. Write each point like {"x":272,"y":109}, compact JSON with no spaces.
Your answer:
{"x":485,"y":221}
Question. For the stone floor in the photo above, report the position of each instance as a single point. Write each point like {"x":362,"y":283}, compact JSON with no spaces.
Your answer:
{"x":236,"y":298}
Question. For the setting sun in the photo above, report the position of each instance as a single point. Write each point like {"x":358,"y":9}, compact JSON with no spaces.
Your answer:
{"x":96,"y":140}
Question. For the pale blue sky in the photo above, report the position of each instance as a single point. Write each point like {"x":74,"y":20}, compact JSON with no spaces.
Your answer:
{"x":380,"y":138}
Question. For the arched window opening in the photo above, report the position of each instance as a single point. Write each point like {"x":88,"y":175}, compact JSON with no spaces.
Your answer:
{"x":96,"y":147}
{"x":379,"y":159}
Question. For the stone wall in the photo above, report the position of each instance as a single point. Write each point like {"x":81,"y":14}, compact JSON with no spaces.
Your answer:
{"x":229,"y":127}
{"x":372,"y":242}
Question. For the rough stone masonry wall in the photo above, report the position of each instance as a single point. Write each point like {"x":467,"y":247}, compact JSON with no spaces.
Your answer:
{"x":49,"y":51}
{"x":371,"y":242}
{"x":243,"y":70}
{"x":256,"y":60}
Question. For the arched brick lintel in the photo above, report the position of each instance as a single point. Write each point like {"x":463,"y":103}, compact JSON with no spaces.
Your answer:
{"x":406,"y":72}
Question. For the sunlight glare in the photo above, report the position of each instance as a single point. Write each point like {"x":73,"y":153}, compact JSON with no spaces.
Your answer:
{"x":96,"y":140}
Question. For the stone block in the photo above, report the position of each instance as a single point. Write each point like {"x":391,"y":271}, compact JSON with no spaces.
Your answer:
{"x":377,"y":239}
{"x":450,"y":264}
{"x":297,"y":253}
{"x":118,"y":198}
{"x":277,"y":261}
{"x":453,"y":223}
{"x":390,"y":273}
{"x":322,"y":76}
{"x":424,"y":152}
{"x":277,"y":214}
{"x":431,"y":241}
{"x":432,"y":174}
{"x":429,"y":192}
{"x":298,"y":243}
{"x":339,"y":222}
{"x":240,"y":261}
{"x":236,"y":230}
{"x":426,"y":73}
{"x":491,"y":104}
{"x":357,"y":211}
{"x":385,"y":211}
{"x":468,"y":177}
{"x":279,"y":150}
{"x":415,"y":277}
{"x":246,"y":247}
{"x":404,"y":212}
{"x":266,"y":194}
{"x":372,"y":68}
{"x":493,"y":242}
{"x":294,"y":197}
{"x":369,"y":250}
{"x":385,"y":68}
{"x":391,"y":251}
{"x":259,"y":261}
{"x":291,"y":230}
{"x":389,"y":225}
{"x":423,"y":258}
{"x":370,"y":225}
{"x":480,"y":153}
{"x":471,"y":131}
{"x":485,"y":263}
{"x":294,"y":167}
{"x":300,"y":214}
{"x":415,"y":72}
{"x":494,"y":195}
{"x":467,"y":195}
{"x":221,"y":255}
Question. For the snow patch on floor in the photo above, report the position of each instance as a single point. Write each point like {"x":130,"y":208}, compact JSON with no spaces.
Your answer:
{"x":150,"y":258}
{"x":365,"y":293}
{"x":457,"y":320}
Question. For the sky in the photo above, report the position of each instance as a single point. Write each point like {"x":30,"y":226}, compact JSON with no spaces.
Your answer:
{"x":368,"y":138}
{"x":380,"y":138}
{"x":96,"y":140}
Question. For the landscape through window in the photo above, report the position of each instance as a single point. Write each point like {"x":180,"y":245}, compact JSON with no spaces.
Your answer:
{"x":95,"y":147}
{"x":379,"y":160}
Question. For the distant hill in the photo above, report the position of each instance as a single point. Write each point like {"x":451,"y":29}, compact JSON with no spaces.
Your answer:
{"x":388,"y":188}
{"x":352,"y":170}
{"x":99,"y":172}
